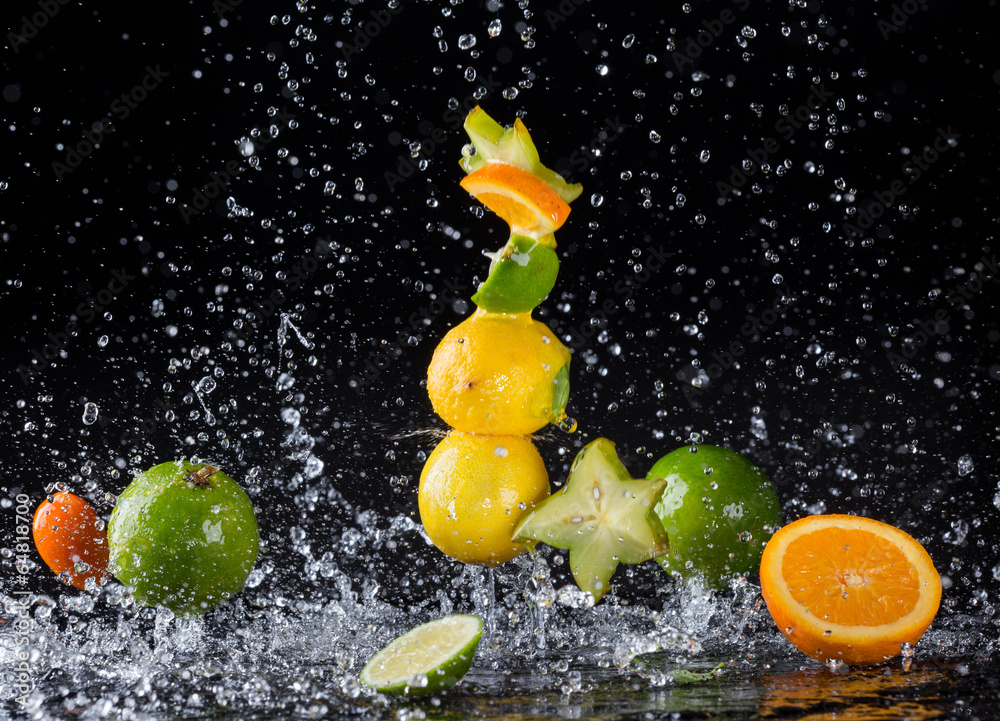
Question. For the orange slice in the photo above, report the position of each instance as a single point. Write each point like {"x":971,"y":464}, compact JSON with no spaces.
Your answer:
{"x":529,"y":205}
{"x":849,"y":588}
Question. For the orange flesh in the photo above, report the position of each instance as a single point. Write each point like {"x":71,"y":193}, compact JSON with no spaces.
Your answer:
{"x":517,"y":196}
{"x":850,"y":577}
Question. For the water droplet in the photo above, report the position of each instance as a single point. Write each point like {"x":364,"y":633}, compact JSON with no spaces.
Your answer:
{"x":90,"y":411}
{"x":965,"y":465}
{"x":565,"y":423}
{"x":596,"y":200}
{"x":494,"y":28}
{"x":465,"y":42}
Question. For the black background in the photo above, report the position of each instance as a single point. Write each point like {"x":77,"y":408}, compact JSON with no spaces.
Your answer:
{"x":369,"y":81}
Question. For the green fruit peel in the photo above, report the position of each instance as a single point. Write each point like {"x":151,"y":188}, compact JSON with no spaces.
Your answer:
{"x":183,"y":535}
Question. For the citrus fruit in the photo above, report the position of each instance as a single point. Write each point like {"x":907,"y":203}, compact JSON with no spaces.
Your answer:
{"x":429,"y":658}
{"x":718,"y":509}
{"x":511,"y":146}
{"x":71,"y":539}
{"x":601,"y":515}
{"x":521,"y":275}
{"x":528,"y":205}
{"x":849,"y":588}
{"x":499,"y":374}
{"x":474,"y":490}
{"x":183,"y":535}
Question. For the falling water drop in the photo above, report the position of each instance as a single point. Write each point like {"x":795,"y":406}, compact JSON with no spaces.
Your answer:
{"x":90,"y":411}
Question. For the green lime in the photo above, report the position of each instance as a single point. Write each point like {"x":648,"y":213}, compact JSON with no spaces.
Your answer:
{"x":521,"y":275}
{"x":602,"y":515}
{"x":429,"y":658}
{"x":718,"y":510}
{"x":183,"y":535}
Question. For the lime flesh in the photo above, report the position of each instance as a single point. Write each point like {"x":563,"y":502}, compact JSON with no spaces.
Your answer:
{"x":429,"y":658}
{"x":718,"y":510}
{"x":184,"y":536}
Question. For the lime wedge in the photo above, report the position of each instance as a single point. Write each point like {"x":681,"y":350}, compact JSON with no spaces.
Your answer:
{"x":430,"y":658}
{"x":521,"y":275}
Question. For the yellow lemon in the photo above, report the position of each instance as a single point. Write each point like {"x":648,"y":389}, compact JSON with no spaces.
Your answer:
{"x":474,"y":489}
{"x":499,"y":374}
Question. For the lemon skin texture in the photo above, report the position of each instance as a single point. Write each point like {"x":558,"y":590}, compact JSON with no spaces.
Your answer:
{"x":473,"y":492}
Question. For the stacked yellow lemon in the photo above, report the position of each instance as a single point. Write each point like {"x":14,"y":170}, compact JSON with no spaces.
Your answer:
{"x":500,"y":375}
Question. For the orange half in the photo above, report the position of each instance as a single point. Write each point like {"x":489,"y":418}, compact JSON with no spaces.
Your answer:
{"x":849,"y":588}
{"x":528,"y":204}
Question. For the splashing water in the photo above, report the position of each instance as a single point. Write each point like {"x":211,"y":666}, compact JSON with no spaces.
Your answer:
{"x":714,"y":289}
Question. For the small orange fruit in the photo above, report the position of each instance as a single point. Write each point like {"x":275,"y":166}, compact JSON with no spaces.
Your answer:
{"x":528,"y":204}
{"x":71,"y":539}
{"x":473,"y":491}
{"x":500,"y":375}
{"x":849,"y":588}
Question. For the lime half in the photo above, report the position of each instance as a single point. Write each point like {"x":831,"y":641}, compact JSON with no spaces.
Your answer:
{"x":431,"y":657}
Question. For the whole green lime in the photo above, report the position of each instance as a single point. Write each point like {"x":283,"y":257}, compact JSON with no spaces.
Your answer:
{"x":183,"y":535}
{"x":718,"y":509}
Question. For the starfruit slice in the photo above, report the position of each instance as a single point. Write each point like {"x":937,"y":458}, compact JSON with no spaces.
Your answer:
{"x":602,"y":515}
